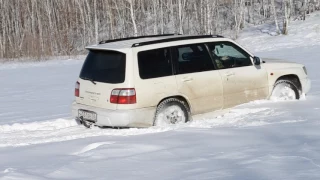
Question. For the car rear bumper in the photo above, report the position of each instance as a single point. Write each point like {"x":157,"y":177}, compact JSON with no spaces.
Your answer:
{"x":118,"y":118}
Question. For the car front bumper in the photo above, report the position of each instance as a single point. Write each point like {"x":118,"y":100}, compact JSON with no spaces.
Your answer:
{"x":118,"y":118}
{"x":306,"y":85}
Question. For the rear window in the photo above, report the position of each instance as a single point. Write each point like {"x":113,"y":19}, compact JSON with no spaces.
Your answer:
{"x":104,"y":66}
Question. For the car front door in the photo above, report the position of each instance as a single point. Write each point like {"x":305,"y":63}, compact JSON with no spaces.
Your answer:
{"x":197,"y":78}
{"x":242,"y":81}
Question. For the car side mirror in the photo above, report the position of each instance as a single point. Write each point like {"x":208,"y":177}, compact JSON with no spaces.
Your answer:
{"x":256,"y":61}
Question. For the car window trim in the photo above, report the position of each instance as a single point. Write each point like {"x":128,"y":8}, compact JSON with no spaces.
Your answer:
{"x":211,"y":57}
{"x":173,"y":65}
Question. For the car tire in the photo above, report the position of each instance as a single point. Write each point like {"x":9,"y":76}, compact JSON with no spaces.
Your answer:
{"x":285,"y":90}
{"x":171,"y":111}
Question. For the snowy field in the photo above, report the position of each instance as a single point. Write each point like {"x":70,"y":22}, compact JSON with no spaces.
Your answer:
{"x":259,"y":140}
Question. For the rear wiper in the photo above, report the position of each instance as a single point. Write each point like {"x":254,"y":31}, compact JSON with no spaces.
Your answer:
{"x":89,"y":79}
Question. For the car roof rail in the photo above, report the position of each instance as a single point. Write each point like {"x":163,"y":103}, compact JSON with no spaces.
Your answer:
{"x":177,"y":38}
{"x":135,"y":37}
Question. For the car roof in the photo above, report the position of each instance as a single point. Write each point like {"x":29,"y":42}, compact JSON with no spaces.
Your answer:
{"x":124,"y":44}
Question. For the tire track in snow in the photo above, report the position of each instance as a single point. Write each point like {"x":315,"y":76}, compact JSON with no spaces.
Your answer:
{"x":91,"y":147}
{"x":23,"y":134}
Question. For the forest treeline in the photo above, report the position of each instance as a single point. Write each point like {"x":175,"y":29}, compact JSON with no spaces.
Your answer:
{"x":39,"y":28}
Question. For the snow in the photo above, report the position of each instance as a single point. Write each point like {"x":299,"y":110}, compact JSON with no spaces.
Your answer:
{"x":264,"y":37}
{"x":37,"y":91}
{"x":263,"y":139}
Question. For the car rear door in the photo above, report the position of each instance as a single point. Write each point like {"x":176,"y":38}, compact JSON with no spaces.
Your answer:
{"x":102,"y":72}
{"x":242,"y":81}
{"x":197,"y":79}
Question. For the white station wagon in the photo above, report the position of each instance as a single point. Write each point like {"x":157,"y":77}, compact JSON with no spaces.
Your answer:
{"x":166,"y":79}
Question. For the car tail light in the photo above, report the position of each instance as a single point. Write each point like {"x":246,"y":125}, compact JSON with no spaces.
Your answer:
{"x":123,"y":96}
{"x":77,"y":89}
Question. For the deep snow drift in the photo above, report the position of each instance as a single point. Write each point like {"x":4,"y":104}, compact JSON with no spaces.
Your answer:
{"x":259,"y":140}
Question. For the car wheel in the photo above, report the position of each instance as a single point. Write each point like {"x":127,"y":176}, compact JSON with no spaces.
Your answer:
{"x":285,"y":90}
{"x":171,"y":111}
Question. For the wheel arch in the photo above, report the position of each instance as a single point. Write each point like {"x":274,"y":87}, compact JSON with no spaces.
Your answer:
{"x":291,"y":77}
{"x":180,"y":97}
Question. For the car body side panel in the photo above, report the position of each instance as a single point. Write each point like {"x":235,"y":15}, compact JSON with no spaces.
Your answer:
{"x":277,"y":69}
{"x":204,"y":90}
{"x":244,"y":84}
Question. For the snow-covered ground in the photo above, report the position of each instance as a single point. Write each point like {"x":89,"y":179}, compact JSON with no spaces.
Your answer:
{"x":301,"y":34}
{"x":259,"y":140}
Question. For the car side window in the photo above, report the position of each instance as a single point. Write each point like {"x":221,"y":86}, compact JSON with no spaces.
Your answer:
{"x":155,"y":63}
{"x":192,"y":58}
{"x":228,"y":55}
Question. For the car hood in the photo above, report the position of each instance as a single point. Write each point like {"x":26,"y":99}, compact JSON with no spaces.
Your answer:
{"x":279,"y":63}
{"x":271,"y":60}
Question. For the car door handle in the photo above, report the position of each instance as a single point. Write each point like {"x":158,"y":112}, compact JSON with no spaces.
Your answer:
{"x":187,"y":79}
{"x":229,"y":74}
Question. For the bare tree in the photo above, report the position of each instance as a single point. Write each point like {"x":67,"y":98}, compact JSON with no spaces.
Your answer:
{"x":133,"y":17}
{"x":287,"y":14}
{"x":238,"y":15}
{"x":36,"y":29}
{"x":275,"y":16}
{"x":180,"y":17}
{"x":96,"y":21}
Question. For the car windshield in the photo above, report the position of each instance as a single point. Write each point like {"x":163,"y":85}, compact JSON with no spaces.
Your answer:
{"x":104,"y":66}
